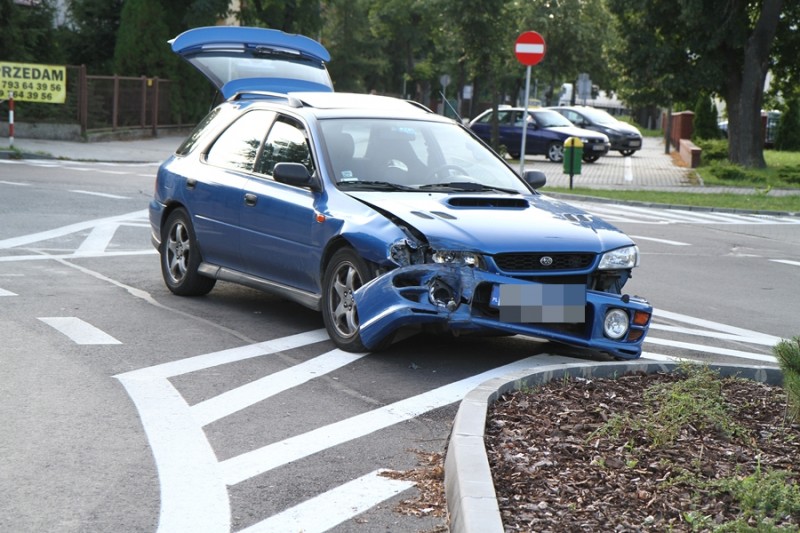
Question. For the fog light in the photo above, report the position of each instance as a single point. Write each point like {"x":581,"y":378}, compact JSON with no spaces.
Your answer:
{"x":616,"y":324}
{"x":441,"y":294}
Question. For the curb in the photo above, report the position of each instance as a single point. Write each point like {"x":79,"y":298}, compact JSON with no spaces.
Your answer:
{"x":469,"y":489}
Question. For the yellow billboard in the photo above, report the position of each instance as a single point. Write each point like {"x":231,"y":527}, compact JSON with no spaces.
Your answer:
{"x":30,"y":82}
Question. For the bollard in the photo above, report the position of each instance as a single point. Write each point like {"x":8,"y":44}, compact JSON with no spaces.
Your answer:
{"x":573,"y":155}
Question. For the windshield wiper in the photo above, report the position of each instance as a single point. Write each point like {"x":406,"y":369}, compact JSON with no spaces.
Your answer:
{"x":373,"y":186}
{"x":465,"y":186}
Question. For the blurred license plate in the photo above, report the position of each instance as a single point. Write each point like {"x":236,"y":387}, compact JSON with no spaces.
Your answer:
{"x":635,"y":143}
{"x":598,"y":147}
{"x":540,"y":303}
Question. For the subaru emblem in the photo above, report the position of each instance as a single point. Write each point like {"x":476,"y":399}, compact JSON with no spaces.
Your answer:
{"x":546,"y":260}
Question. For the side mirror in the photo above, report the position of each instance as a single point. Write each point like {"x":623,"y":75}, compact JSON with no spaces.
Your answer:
{"x":295,"y":174}
{"x":535,"y":178}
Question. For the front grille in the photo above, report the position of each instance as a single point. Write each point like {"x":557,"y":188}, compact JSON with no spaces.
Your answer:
{"x":525,"y":262}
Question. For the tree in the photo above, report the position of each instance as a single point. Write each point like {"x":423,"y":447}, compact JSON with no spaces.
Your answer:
{"x":93,"y":26}
{"x":579,"y":39}
{"x":141,"y":48}
{"x":673,"y":50}
{"x":291,"y":16}
{"x":26,"y":32}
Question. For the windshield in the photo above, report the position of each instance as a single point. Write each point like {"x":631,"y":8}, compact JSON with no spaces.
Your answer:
{"x":394,"y":154}
{"x":600,"y":117}
{"x":550,"y":119}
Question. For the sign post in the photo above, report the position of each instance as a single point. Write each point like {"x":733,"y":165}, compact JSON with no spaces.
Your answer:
{"x":529,"y":49}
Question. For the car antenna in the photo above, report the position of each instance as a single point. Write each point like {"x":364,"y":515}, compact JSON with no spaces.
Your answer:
{"x":444,"y":99}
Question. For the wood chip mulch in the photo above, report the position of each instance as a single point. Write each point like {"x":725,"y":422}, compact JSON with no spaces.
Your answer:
{"x":556,"y":469}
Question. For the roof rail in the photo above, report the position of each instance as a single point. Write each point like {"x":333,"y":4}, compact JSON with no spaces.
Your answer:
{"x":291,"y":100}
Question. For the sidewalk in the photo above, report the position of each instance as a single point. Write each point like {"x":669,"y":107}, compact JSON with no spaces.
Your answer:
{"x":149,"y":150}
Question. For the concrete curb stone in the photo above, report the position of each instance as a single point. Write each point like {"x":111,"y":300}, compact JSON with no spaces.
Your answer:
{"x":469,"y":489}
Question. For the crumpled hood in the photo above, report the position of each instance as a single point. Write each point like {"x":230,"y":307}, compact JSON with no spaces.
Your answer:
{"x":492,"y":224}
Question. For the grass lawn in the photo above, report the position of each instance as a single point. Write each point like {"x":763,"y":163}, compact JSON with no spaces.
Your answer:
{"x":782,"y":172}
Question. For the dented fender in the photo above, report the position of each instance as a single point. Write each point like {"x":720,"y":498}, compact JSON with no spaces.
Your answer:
{"x":463,"y":299}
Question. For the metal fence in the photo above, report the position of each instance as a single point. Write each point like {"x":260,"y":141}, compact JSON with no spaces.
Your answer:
{"x":98,"y":104}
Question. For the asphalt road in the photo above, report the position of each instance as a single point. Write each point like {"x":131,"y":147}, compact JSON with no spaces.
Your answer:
{"x":128,"y":409}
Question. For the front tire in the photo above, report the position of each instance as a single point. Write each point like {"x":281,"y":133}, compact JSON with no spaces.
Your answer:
{"x":591,"y":158}
{"x":555,"y":152}
{"x":180,"y":257}
{"x":627,"y":153}
{"x":344,"y":274}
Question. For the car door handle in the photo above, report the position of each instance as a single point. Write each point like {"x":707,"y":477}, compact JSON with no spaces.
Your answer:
{"x":191,"y":184}
{"x":250,"y":199}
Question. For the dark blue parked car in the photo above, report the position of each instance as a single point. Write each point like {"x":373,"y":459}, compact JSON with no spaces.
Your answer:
{"x":383,"y":216}
{"x":544,"y":135}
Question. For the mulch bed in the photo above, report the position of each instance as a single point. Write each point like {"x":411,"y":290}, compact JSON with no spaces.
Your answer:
{"x":555,"y":472}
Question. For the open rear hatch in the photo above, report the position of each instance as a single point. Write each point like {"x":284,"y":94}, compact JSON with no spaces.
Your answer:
{"x":238,"y":59}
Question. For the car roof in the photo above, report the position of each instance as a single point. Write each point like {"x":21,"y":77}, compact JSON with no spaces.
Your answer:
{"x":343,"y":105}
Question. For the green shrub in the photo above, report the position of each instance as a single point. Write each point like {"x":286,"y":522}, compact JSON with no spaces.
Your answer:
{"x":787,"y":138}
{"x":788,"y":354}
{"x":729,"y":172}
{"x":713,"y":150}
{"x":705,"y":119}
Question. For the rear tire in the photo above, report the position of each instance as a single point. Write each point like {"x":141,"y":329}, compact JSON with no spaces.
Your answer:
{"x":180,"y":257}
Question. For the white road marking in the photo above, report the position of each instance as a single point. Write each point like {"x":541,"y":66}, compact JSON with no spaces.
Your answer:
{"x":250,"y":464}
{"x":663,"y":241}
{"x":327,"y":510}
{"x":66,"y":230}
{"x":4,"y":292}
{"x":786,"y":262}
{"x":15,"y":183}
{"x":237,"y":399}
{"x":74,"y":255}
{"x":710,"y":349}
{"x":103,"y":194}
{"x":745,"y":335}
{"x":650,"y":215}
{"x":98,"y":240}
{"x":763,"y":341}
{"x":79,"y":331}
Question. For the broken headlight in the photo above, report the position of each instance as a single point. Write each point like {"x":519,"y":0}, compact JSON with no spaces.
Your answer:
{"x":454,"y":257}
{"x":621,"y":258}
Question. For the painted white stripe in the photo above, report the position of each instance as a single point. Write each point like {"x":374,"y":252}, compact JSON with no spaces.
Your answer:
{"x":66,"y":230}
{"x":79,"y":331}
{"x":250,"y":464}
{"x":193,"y":496}
{"x":763,"y":341}
{"x":710,"y":349}
{"x":335,"y":506}
{"x":196,"y":502}
{"x":239,"y":398}
{"x":529,"y":48}
{"x":223,"y":357}
{"x":4,"y":292}
{"x":660,"y":357}
{"x":99,"y":238}
{"x":746,"y":334}
{"x":75,"y":255}
{"x":15,"y":183}
{"x":786,"y":262}
{"x":104,"y":195}
{"x":663,"y":241}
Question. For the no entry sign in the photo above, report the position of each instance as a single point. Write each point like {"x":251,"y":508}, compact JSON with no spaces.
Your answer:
{"x":529,"y":48}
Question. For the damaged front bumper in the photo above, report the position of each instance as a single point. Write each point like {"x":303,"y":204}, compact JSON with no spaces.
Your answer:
{"x":463,"y":299}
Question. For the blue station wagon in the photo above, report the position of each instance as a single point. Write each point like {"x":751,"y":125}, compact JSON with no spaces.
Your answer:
{"x":382,"y":215}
